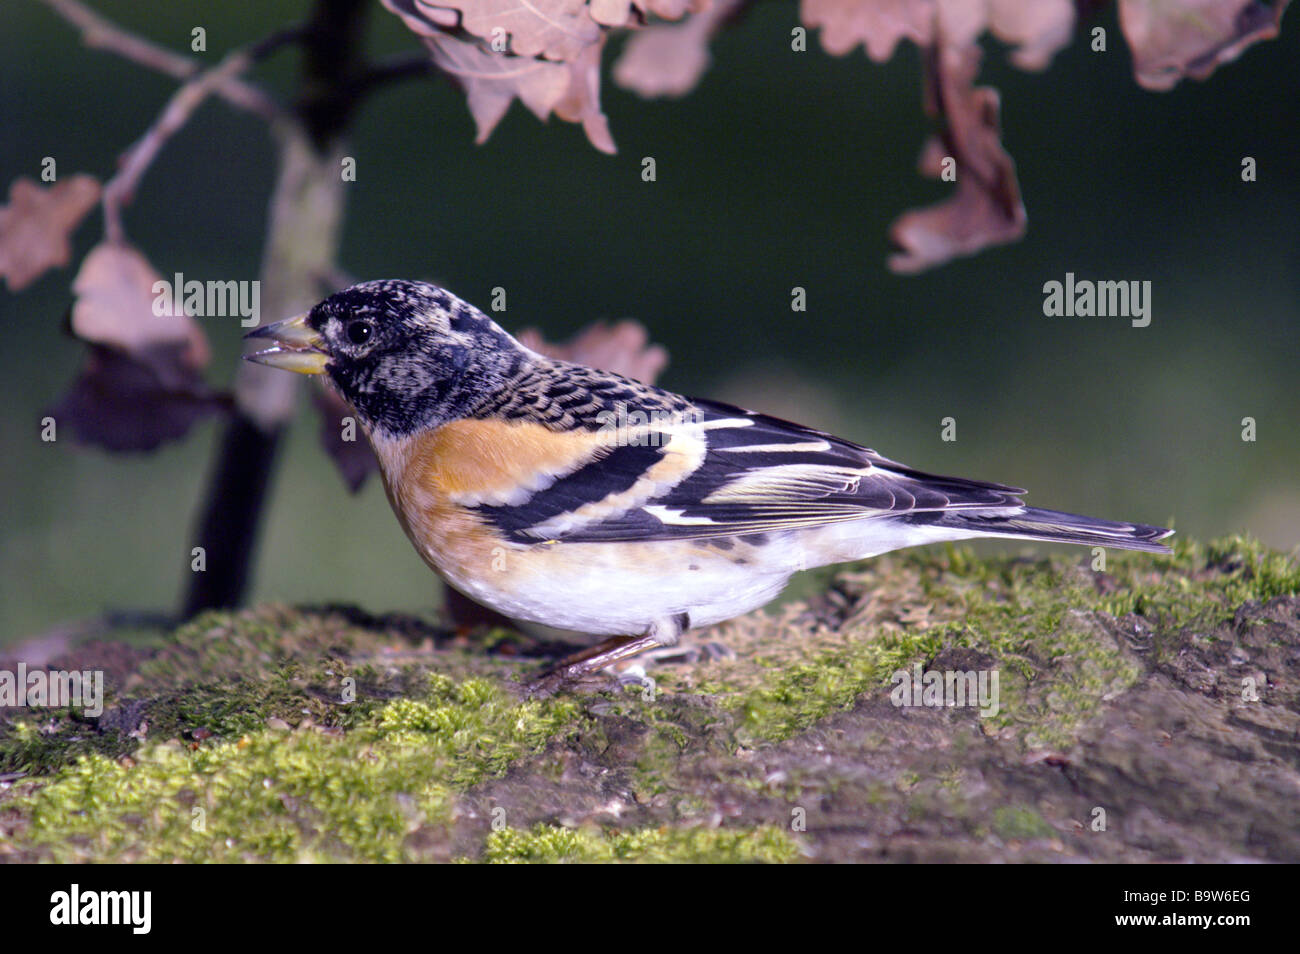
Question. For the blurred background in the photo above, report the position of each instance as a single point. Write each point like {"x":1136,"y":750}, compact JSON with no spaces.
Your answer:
{"x":781,"y":169}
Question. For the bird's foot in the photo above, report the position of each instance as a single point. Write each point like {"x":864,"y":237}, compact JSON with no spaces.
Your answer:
{"x":634,"y":677}
{"x":579,"y":670}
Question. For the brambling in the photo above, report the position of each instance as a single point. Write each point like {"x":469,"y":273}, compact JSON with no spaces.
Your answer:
{"x":559,"y":494}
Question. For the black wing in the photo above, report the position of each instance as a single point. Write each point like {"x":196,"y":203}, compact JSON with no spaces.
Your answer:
{"x":725,"y":472}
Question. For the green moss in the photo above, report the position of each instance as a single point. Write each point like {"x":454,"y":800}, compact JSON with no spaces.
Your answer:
{"x":226,"y":674}
{"x":218,"y":771}
{"x":308,"y":794}
{"x":43,"y":740}
{"x":246,"y":644}
{"x":796,"y":697}
{"x":1038,"y":619}
{"x":548,"y":844}
{"x":1204,"y":583}
{"x":1020,"y":823}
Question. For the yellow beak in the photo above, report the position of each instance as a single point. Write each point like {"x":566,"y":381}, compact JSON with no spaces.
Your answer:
{"x":298,"y":346}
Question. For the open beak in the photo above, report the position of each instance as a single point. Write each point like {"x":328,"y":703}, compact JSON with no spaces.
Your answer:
{"x":298,"y":346}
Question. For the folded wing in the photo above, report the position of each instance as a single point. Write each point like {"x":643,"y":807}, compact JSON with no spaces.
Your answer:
{"x":732,"y":472}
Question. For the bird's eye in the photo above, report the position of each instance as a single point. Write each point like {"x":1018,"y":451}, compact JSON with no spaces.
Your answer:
{"x":359,"y":332}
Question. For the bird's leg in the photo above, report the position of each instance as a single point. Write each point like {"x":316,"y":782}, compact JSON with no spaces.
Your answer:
{"x":572,"y":669}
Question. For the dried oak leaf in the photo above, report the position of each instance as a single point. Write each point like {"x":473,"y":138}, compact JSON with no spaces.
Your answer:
{"x":1171,"y":40}
{"x":142,"y":382}
{"x":670,"y":9}
{"x":37,"y":225}
{"x":354,"y":458}
{"x":623,"y":348}
{"x":879,"y":25}
{"x":547,"y":73}
{"x":581,"y":100}
{"x":556,"y":29}
{"x":668,"y":59}
{"x":1035,"y":29}
{"x":619,"y":13}
{"x":118,"y":402}
{"x":492,"y":81}
{"x":986,"y":208}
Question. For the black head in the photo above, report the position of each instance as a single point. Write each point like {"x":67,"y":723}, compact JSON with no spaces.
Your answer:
{"x":410,"y":355}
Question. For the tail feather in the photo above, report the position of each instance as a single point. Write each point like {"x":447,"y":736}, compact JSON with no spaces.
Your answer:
{"x":1033,"y":523}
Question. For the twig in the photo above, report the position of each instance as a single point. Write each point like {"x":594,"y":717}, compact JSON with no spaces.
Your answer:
{"x":175,"y":115}
{"x":394,"y":70}
{"x":98,"y":33}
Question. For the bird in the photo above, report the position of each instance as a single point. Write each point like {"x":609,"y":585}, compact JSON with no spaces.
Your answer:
{"x":560,"y":494}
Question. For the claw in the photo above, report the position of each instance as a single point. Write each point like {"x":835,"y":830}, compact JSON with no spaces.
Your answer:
{"x":635,"y":677}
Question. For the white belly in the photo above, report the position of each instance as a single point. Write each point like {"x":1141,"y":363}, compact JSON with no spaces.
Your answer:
{"x":594,"y":588}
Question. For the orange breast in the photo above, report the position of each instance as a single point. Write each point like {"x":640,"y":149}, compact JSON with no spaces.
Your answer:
{"x":493,"y":462}
{"x":434,"y":478}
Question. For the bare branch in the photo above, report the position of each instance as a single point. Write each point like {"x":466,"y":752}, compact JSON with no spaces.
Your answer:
{"x":177,"y":112}
{"x":119,"y":190}
{"x":99,"y":33}
{"x":394,"y":70}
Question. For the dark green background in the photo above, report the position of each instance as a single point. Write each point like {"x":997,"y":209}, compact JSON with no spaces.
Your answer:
{"x":782,"y":169}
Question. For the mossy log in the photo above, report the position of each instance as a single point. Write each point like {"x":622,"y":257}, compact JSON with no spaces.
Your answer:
{"x":1147,"y":712}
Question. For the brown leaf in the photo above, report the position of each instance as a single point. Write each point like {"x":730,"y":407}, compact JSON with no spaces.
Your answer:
{"x":623,"y":348}
{"x":552,"y":63}
{"x":119,"y":403}
{"x":492,"y":81}
{"x":581,"y":100}
{"x":668,"y":59}
{"x":354,"y":459}
{"x":558,"y":30}
{"x":1171,"y":40}
{"x":611,"y":13}
{"x":618,"y":13}
{"x":37,"y":225}
{"x":671,"y":9}
{"x":116,"y":307}
{"x":464,"y":613}
{"x":879,"y":25}
{"x":986,"y":208}
{"x":1036,"y":28}
{"x":142,"y":383}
